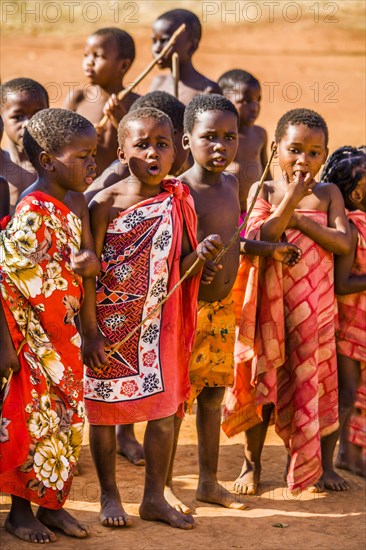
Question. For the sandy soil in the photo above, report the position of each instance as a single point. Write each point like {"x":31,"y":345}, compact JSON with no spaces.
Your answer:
{"x":324,"y":63}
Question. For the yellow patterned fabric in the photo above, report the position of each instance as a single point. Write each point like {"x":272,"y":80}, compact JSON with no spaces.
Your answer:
{"x":212,"y":360}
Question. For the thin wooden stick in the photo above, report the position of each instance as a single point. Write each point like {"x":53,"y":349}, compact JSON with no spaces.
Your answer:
{"x":175,"y":72}
{"x":122,"y":94}
{"x":232,"y":240}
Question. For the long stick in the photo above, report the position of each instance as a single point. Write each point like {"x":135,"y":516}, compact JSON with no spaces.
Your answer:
{"x":232,"y":240}
{"x":122,"y":94}
{"x":175,"y":72}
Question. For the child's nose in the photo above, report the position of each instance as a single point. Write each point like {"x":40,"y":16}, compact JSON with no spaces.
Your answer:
{"x":152,"y":152}
{"x":219,"y":146}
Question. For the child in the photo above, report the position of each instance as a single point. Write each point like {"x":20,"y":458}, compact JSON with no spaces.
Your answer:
{"x":294,"y":357}
{"x":21,"y":98}
{"x":109,"y":53}
{"x":191,"y":82}
{"x":42,"y":413}
{"x":347,"y":169}
{"x":146,"y":231}
{"x":211,"y":133}
{"x":175,"y":111}
{"x":244,"y":90}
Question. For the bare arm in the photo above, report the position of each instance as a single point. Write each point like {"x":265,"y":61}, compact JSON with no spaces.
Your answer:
{"x":85,"y":262}
{"x":263,"y":155}
{"x":336,"y":237}
{"x":287,"y":253}
{"x":205,"y":251}
{"x":4,"y":197}
{"x":346,"y":282}
{"x":73,"y":99}
{"x":9,"y":359}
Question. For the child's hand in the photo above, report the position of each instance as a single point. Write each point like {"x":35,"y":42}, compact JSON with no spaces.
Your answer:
{"x":209,"y":248}
{"x":93,"y":350}
{"x":288,"y":254}
{"x":9,"y":361}
{"x":301,"y":186}
{"x":209,"y":272}
{"x":85,"y":263}
{"x":114,"y":110}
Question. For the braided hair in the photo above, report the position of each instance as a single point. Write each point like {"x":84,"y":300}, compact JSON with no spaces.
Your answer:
{"x":345,"y":167}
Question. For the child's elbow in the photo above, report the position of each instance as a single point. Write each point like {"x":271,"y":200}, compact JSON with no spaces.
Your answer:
{"x":343,"y":245}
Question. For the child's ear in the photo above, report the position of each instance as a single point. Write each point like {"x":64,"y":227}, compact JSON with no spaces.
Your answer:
{"x":356,"y":196}
{"x":274,"y":146}
{"x":185,"y":141}
{"x":46,"y":161}
{"x":125,"y":64}
{"x":121,"y":156}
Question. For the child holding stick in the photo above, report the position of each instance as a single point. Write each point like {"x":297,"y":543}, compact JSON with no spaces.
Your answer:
{"x":145,"y":231}
{"x":191,"y":82}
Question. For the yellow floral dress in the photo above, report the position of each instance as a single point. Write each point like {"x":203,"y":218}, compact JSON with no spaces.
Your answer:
{"x":42,"y":410}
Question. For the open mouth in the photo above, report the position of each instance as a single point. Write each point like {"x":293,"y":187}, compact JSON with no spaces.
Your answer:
{"x":154,"y":168}
{"x":219,"y":161}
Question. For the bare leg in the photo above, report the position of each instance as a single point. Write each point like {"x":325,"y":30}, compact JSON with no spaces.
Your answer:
{"x":208,"y":429}
{"x":348,"y":378}
{"x":22,"y":523}
{"x":249,"y":477}
{"x":103,"y":449}
{"x":128,"y":446}
{"x":168,"y":491}
{"x":158,"y":447}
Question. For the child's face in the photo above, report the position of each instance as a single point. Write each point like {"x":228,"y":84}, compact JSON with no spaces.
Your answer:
{"x":247,"y":102}
{"x":302,"y":149}
{"x":148,"y":150}
{"x":162,"y":32}
{"x":17,"y":111}
{"x":101,"y":61}
{"x":214,"y":140}
{"x":74,"y":166}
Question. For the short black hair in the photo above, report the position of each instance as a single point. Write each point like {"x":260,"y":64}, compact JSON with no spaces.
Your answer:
{"x":123,"y":41}
{"x":140,"y":114}
{"x":18,"y":85}
{"x":165,"y":102}
{"x":231,"y":79}
{"x":202,"y":103}
{"x":179,"y":16}
{"x":345,"y":167}
{"x":301,"y":116}
{"x":50,"y":130}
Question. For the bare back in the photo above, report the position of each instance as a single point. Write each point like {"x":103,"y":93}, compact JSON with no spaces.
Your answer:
{"x":217,"y":208}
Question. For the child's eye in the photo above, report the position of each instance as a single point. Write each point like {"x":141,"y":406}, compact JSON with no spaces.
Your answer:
{"x":17,"y":117}
{"x":162,"y":144}
{"x":314,"y":153}
{"x":141,"y":145}
{"x":293,"y":150}
{"x":209,"y":137}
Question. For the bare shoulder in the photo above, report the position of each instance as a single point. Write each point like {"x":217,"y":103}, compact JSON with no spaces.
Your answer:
{"x":158,"y":82}
{"x":327,"y":190}
{"x":230,"y":180}
{"x":260,"y":132}
{"x":74,"y":98}
{"x":268,"y":189}
{"x":210,"y":87}
{"x":77,"y":203}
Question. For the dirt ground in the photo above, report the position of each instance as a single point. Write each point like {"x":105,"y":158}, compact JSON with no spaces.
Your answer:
{"x":316,"y":61}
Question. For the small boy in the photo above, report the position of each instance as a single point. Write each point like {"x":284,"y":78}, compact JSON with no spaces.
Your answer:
{"x":346,"y":168}
{"x":41,"y":293}
{"x":211,"y":133}
{"x":191,"y":82}
{"x":244,"y":90}
{"x":21,"y":98}
{"x":146,"y":231}
{"x":293,"y":346}
{"x":109,"y":54}
{"x":175,"y":110}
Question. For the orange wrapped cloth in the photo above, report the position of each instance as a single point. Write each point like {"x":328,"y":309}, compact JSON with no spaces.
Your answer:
{"x":285,"y":352}
{"x":351,"y":336}
{"x":147,"y":378}
{"x":42,"y":413}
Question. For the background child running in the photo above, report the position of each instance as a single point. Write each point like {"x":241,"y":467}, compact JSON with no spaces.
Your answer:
{"x":145,"y":230}
{"x":244,"y":90}
{"x":346,"y":168}
{"x":175,"y":111}
{"x":191,"y":82}
{"x":109,"y":53}
{"x":21,"y":98}
{"x":41,"y":292}
{"x":295,"y":368}
{"x":211,"y":133}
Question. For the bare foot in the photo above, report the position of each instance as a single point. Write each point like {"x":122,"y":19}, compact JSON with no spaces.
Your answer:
{"x":330,"y":480}
{"x":29,"y":528}
{"x":159,"y":510}
{"x":215,"y":493}
{"x":132,"y":450}
{"x":248,"y":480}
{"x":60,"y":519}
{"x":174,"y":501}
{"x":112,"y":513}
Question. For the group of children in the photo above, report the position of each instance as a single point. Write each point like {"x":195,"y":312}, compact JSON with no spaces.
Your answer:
{"x":138,"y":288}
